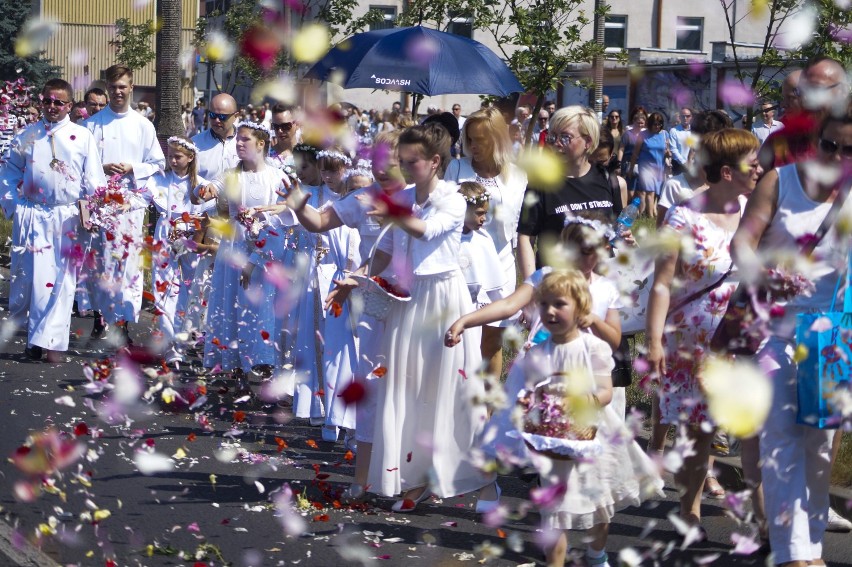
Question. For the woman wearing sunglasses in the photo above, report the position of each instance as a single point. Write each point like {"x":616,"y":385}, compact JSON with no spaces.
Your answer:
{"x":785,"y":209}
{"x":574,"y":135}
{"x":616,"y":128}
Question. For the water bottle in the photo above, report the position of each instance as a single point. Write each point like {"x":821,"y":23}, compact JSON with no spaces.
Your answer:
{"x":627,"y":216}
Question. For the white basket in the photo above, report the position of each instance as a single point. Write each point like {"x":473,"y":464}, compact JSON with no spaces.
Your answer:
{"x":377,"y":301}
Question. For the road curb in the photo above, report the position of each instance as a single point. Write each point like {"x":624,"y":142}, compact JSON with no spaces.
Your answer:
{"x":18,"y":551}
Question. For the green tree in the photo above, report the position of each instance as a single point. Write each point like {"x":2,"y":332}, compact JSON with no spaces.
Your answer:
{"x":761,"y":73}
{"x":833,"y":34}
{"x":36,"y":68}
{"x":247,"y":16}
{"x":134,"y":43}
{"x":832,"y":27}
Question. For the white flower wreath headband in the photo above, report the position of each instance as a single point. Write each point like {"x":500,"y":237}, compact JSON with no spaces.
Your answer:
{"x":596,"y":225}
{"x":478,"y":199}
{"x":329,"y":154}
{"x":185,"y":144}
{"x":255,"y":126}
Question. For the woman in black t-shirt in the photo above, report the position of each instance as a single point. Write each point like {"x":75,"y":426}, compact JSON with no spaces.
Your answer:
{"x":574,"y":133}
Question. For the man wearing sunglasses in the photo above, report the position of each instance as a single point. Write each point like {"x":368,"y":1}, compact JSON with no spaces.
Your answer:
{"x":285,"y":128}
{"x":129,"y":148}
{"x":217,"y":146}
{"x":807,"y":97}
{"x":52,"y":164}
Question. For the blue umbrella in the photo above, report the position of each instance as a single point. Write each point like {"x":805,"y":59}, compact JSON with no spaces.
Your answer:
{"x":417,"y":60}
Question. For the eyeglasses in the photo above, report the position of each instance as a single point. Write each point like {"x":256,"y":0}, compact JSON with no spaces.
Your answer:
{"x":283,"y":126}
{"x":686,"y":116}
{"x":221,"y":117}
{"x":615,"y":116}
{"x":563,"y":139}
{"x":54,"y":102}
{"x":831,"y":147}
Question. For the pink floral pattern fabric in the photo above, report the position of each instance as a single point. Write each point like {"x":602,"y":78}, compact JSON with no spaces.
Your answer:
{"x":704,"y":257}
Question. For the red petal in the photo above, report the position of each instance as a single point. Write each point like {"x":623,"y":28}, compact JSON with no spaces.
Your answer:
{"x":354,"y":392}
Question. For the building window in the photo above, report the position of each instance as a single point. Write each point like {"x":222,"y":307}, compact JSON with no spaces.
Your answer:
{"x":460,"y":24}
{"x":615,"y":33}
{"x":689,"y":32}
{"x":388,"y":17}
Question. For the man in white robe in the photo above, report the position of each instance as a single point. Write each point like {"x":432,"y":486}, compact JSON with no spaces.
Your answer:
{"x":217,"y":146}
{"x":52,"y":164}
{"x":129,"y":148}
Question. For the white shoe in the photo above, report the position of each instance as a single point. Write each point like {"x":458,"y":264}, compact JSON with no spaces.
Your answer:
{"x":330,"y":433}
{"x":602,"y":561}
{"x":349,"y":442}
{"x":487,"y":506}
{"x":837,"y":523}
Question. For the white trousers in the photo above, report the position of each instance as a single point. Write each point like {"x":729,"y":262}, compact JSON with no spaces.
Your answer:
{"x":44,"y":275}
{"x":795,"y":462}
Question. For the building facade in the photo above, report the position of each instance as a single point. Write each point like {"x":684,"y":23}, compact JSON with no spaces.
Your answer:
{"x":81,"y":45}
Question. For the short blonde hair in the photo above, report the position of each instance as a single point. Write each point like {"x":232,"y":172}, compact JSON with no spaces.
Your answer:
{"x":586,"y":120}
{"x":568,"y":283}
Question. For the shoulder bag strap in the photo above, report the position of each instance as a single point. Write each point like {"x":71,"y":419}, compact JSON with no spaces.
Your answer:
{"x":830,"y":217}
{"x":707,"y":289}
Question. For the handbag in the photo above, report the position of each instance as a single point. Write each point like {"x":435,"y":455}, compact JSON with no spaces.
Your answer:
{"x":826,"y":369}
{"x":736,"y":332}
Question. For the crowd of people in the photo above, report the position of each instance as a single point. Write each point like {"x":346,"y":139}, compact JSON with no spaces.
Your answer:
{"x":272,"y":247}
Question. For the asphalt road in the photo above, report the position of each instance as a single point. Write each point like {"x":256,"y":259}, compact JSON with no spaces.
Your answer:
{"x":217,"y":505}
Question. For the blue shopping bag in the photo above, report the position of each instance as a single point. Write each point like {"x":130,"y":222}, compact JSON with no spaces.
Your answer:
{"x":826,"y":370}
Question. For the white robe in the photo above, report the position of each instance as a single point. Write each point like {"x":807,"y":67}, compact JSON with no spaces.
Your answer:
{"x":239,"y":319}
{"x":43,"y":201}
{"x":124,"y":138}
{"x":304,"y":323}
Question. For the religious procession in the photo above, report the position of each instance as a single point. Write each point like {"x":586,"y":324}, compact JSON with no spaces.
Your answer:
{"x":450,"y":302}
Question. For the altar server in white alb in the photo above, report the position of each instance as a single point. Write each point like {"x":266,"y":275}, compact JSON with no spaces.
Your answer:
{"x":52,"y":164}
{"x":129,"y":147}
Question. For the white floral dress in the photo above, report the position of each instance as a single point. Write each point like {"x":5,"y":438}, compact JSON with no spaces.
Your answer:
{"x":703,"y":260}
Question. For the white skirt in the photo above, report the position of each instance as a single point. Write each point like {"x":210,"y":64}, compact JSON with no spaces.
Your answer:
{"x":621,"y":476}
{"x":426,"y":423}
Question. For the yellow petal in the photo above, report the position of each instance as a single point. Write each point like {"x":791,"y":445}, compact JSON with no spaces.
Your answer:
{"x":101,"y":515}
{"x":179,"y":454}
{"x":545,"y":170}
{"x":800,"y":354}
{"x":738,"y":395}
{"x":310,"y":43}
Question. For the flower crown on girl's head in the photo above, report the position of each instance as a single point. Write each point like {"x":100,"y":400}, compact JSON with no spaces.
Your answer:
{"x":306,"y":149}
{"x":480,"y":199}
{"x":605,"y":230}
{"x":364,"y":167}
{"x":331,"y":154}
{"x":255,"y":126}
{"x":185,"y":144}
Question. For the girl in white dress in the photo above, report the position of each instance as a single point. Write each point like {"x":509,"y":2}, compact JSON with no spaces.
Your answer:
{"x":477,"y":257}
{"x":352,"y":212}
{"x":619,"y":475}
{"x":307,"y":257}
{"x":240,"y":323}
{"x":173,"y":263}
{"x":426,"y":421}
{"x":340,"y":350}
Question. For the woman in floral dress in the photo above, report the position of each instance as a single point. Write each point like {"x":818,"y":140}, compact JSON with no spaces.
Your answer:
{"x":679,"y":329}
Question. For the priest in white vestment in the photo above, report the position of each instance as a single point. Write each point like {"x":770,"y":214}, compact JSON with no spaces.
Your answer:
{"x":52,"y":164}
{"x":129,"y":147}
